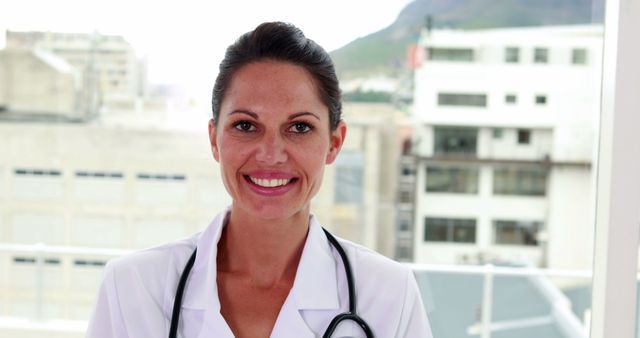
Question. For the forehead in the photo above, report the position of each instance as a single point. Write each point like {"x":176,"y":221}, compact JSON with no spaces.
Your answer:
{"x":269,"y":86}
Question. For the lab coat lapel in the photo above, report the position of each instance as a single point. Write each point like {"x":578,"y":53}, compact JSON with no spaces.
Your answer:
{"x":201,"y":303}
{"x":314,"y":288}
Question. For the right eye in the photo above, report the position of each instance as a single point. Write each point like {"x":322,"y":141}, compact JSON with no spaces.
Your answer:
{"x":244,"y":126}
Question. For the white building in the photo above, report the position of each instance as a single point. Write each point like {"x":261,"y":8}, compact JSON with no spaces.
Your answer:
{"x":108,"y":63}
{"x":506,"y":121}
{"x":112,"y":186}
{"x":38,"y":83}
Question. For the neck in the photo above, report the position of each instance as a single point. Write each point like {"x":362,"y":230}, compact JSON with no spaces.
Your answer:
{"x":265,"y":251}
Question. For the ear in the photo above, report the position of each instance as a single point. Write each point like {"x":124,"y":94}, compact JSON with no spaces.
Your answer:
{"x":213,"y":140}
{"x":336,"y":142}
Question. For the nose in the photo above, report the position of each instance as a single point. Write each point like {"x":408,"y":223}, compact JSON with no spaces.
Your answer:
{"x":271,"y":150}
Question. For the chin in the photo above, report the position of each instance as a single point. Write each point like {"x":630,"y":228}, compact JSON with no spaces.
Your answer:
{"x":273,"y":211}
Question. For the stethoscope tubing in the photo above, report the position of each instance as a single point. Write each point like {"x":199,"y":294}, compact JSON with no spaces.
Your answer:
{"x":350,"y":315}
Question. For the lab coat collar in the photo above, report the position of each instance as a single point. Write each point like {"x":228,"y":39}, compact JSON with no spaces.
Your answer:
{"x":314,"y":288}
{"x":201,"y":291}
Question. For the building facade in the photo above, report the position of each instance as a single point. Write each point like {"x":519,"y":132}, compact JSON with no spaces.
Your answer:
{"x":36,"y":83}
{"x":502,"y":152}
{"x":108,"y":63}
{"x":118,"y":188}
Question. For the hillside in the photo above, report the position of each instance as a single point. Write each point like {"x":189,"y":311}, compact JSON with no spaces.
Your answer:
{"x":384,"y":52}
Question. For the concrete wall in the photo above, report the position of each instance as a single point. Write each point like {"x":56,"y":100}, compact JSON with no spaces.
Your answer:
{"x":31,"y":83}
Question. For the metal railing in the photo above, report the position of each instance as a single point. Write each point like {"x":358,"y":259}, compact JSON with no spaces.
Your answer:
{"x":561,"y":307}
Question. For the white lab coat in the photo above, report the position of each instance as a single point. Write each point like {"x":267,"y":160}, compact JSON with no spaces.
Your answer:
{"x":138,"y":290}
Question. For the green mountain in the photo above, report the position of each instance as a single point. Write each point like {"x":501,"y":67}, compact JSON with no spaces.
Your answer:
{"x":384,"y":52}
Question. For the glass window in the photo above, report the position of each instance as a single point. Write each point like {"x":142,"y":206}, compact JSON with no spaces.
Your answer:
{"x":524,"y":136}
{"x":540,"y":55}
{"x":455,"y":140}
{"x":579,"y":56}
{"x":510,"y":98}
{"x":525,"y":181}
{"x":541,"y":100}
{"x":464,"y":100}
{"x":450,"y":54}
{"x":516,"y":232}
{"x":454,"y":230}
{"x":511,"y":55}
{"x":451,"y":179}
{"x":497,"y":133}
{"x":349,"y":181}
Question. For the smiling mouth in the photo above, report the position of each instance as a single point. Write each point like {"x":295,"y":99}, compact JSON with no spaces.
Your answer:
{"x":270,"y":183}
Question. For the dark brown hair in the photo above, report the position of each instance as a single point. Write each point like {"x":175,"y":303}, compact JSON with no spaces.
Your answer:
{"x":280,"y":42}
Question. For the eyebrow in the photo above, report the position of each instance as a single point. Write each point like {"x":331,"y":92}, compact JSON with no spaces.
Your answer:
{"x":250,"y":113}
{"x":291,"y":117}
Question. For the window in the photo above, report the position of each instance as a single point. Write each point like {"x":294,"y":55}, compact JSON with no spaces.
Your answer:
{"x":99,"y":174}
{"x":541,"y":100}
{"x":37,"y":172}
{"x":161,"y":177}
{"x":523,"y":181}
{"x":524,"y":136}
{"x":516,"y":232}
{"x":455,"y":140}
{"x":450,"y":54}
{"x":89,"y":263}
{"x":510,"y":98}
{"x":454,"y":230}
{"x":540,"y":55}
{"x":405,"y":197}
{"x":349,"y":182}
{"x":497,"y":133}
{"x":454,"y":180}
{"x":579,"y":56}
{"x":511,"y":55}
{"x":32,"y":260}
{"x":464,"y":100}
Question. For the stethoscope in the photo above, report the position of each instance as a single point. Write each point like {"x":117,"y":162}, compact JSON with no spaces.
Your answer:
{"x":349,"y":315}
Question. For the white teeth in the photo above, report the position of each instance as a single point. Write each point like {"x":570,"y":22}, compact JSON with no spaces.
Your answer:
{"x":269,"y":183}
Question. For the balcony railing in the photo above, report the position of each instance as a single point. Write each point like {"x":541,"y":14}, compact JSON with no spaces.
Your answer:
{"x":560,"y":313}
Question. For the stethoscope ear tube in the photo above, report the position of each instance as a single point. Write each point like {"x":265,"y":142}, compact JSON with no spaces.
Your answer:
{"x":177,"y":302}
{"x":352,"y":314}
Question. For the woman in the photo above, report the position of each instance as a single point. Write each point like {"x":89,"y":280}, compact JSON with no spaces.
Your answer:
{"x":264,"y":267}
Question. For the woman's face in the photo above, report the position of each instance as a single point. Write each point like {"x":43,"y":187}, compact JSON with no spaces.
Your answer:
{"x":273,"y":139}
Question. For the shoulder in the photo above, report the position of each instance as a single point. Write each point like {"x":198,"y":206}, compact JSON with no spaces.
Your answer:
{"x":154,"y":259}
{"x":387,"y":293}
{"x":368,"y":261}
{"x":373,"y":271}
{"x":132,"y":300}
{"x":142,"y":276}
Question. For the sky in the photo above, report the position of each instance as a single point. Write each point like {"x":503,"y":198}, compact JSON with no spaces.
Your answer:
{"x":185,"y":40}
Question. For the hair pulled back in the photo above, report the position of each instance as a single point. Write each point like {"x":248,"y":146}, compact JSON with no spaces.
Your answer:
{"x":284,"y":42}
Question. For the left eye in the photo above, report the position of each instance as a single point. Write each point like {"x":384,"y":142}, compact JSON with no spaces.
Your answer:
{"x":300,"y":127}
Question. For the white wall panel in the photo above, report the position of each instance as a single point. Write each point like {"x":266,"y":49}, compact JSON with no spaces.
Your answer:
{"x":34,"y":228}
{"x":37,"y":188}
{"x":97,"y":231}
{"x":161,"y":192}
{"x":151,"y":232}
{"x":105,"y":190}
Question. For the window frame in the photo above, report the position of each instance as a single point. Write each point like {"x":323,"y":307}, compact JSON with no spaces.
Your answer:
{"x":614,"y":295}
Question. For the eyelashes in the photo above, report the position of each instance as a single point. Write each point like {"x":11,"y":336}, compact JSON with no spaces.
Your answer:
{"x":298,"y":127}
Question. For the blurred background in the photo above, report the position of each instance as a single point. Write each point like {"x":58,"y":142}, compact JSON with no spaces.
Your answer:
{"x":470,"y":152}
